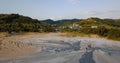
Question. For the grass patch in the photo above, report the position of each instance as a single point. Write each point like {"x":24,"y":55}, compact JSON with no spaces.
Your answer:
{"x":74,"y":34}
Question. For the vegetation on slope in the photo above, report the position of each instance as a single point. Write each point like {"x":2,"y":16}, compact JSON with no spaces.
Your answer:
{"x":19,"y":23}
{"x":109,"y":28}
{"x":94,"y":26}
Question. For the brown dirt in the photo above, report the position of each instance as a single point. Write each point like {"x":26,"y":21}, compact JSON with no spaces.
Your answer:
{"x":12,"y":47}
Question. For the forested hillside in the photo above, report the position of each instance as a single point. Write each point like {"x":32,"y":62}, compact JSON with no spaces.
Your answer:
{"x":102,"y":27}
{"x":19,"y":23}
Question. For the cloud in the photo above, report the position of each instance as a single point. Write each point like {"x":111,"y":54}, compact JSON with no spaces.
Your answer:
{"x":102,"y":13}
{"x":115,"y":13}
{"x":106,"y":13}
{"x":75,"y":1}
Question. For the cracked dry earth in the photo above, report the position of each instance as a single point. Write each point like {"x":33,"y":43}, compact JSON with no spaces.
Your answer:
{"x":53,"y":48}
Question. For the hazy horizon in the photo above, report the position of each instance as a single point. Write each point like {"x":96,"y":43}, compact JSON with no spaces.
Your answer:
{"x":62,"y":9}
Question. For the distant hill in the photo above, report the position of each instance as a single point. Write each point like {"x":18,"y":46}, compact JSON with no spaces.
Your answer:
{"x":18,"y":23}
{"x":60,"y":22}
{"x":109,"y":23}
{"x":115,"y":22}
{"x":49,"y":21}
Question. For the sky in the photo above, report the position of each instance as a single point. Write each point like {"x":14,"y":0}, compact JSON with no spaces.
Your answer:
{"x":62,"y":9}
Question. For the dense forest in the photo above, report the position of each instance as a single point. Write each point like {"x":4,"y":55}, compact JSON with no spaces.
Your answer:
{"x":18,"y":23}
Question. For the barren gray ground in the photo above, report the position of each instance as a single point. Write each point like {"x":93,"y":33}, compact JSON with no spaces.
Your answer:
{"x":52,"y":48}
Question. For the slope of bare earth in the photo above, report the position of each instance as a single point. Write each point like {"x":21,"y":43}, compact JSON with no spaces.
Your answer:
{"x":54,"y":48}
{"x":13,"y":46}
